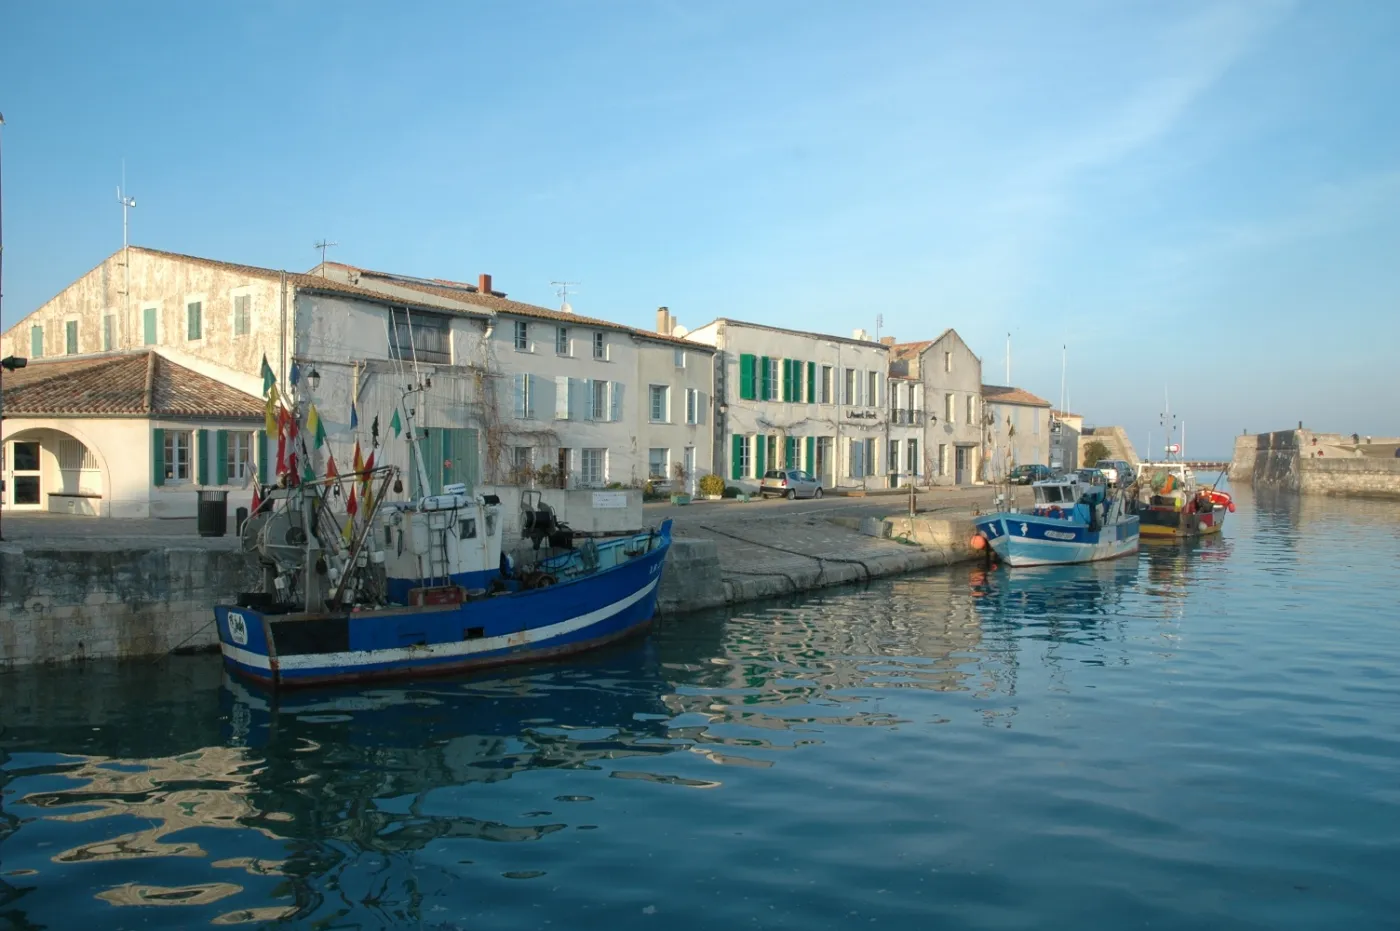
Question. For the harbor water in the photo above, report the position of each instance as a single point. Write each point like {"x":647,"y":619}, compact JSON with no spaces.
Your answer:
{"x":1204,"y":735}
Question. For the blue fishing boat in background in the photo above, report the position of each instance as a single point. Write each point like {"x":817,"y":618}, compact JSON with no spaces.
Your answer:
{"x":422,"y":587}
{"x":1074,"y":519}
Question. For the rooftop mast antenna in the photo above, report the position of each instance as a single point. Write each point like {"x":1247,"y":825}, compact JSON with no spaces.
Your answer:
{"x":562,"y":289}
{"x":879,"y":322}
{"x":1008,"y":359}
{"x":126,"y":202}
{"x":323,"y":245}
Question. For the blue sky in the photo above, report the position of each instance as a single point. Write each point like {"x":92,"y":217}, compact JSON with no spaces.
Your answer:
{"x":1204,"y":196}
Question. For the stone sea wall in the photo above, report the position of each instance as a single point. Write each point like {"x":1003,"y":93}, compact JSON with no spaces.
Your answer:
{"x":1306,"y":462}
{"x":58,"y":605}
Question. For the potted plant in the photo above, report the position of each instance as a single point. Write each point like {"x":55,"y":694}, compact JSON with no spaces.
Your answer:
{"x":681,"y":496}
{"x":711,"y":487}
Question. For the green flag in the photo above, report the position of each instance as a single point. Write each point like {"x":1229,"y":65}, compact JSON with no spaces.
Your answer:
{"x":269,"y":380}
{"x":398,"y":427}
{"x":308,"y":474}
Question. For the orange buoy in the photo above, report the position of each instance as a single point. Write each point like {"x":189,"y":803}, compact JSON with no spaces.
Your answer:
{"x":978,"y":542}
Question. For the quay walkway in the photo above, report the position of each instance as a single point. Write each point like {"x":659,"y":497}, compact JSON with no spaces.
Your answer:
{"x":75,"y":588}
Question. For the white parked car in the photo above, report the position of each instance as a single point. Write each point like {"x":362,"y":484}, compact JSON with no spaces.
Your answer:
{"x":1117,"y":471}
{"x":790,"y":483}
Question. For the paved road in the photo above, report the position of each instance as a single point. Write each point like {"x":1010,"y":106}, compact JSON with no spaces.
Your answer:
{"x":42,"y":528}
{"x":936,"y":502}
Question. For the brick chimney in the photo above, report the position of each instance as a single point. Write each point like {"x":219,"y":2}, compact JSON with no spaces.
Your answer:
{"x":484,"y":284}
{"x":665,"y":323}
{"x":887,"y":341}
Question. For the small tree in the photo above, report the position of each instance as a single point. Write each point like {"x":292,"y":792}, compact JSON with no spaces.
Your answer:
{"x":1093,"y":452}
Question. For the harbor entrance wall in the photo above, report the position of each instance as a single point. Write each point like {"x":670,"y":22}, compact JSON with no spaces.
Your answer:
{"x":1306,"y":462}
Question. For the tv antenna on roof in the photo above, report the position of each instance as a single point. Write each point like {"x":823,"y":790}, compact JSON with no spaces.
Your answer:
{"x":323,"y":245}
{"x":126,"y":202}
{"x":879,"y":322}
{"x":562,"y":289}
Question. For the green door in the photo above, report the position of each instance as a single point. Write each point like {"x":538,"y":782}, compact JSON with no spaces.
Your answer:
{"x":459,"y":457}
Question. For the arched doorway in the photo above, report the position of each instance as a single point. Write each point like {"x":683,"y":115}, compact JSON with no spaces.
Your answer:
{"x":48,"y":469}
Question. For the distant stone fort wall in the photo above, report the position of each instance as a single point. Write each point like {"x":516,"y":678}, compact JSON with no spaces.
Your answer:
{"x":1311,"y":463}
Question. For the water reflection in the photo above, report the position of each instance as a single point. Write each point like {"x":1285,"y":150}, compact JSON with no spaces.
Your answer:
{"x":726,"y":760}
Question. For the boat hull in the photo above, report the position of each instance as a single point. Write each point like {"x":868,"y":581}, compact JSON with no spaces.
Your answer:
{"x":1031,"y":540}
{"x":291,"y":650}
{"x":1168,"y":524}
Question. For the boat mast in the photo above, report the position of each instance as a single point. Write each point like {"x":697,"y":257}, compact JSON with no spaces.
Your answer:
{"x":415,"y":451}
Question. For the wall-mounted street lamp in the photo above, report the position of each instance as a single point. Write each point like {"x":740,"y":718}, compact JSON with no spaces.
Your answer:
{"x":313,"y":378}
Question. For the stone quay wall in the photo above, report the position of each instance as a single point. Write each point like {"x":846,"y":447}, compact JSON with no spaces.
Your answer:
{"x":83,"y":602}
{"x":1306,"y":462}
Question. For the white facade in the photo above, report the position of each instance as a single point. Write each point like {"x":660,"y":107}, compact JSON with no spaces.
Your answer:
{"x":567,"y":400}
{"x":1019,"y":432}
{"x":788,"y":399}
{"x":950,"y":376}
{"x":906,"y":454}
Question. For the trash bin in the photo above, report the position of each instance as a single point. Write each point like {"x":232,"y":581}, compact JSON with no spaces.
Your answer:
{"x":213,"y":512}
{"x":240,"y":517}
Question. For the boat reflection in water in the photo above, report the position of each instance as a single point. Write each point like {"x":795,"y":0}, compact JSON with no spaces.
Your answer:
{"x":306,"y":804}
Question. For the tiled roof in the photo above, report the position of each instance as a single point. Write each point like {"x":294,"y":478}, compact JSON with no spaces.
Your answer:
{"x":470,"y":294}
{"x":849,"y":340}
{"x":1064,"y":414}
{"x":902,"y":352}
{"x":1000,"y":394}
{"x":126,"y":384}
{"x":295,"y":279}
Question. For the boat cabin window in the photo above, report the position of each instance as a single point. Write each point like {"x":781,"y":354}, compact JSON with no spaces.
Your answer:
{"x":1051,"y":494}
{"x":467,"y":529}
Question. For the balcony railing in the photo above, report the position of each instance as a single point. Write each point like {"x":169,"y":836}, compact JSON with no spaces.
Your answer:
{"x":901,"y":416}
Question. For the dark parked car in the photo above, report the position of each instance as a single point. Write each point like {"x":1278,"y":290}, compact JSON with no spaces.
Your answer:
{"x":1026,"y":474}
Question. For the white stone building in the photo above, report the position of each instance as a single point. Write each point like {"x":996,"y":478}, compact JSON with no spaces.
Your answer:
{"x":578,"y":401}
{"x":505,"y":383}
{"x":207,"y":323}
{"x":949,"y":375}
{"x":1019,"y":429}
{"x":789,"y":399}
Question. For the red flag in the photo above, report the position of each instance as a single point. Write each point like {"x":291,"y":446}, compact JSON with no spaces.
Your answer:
{"x":282,"y":420}
{"x":351,"y":507}
{"x":365,"y":472}
{"x":359,"y":463}
{"x":293,"y":477}
{"x":257,"y":499}
{"x":330,"y":467}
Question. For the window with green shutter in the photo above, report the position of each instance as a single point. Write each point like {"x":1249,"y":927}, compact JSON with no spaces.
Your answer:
{"x":736,"y":456}
{"x":194,"y":320}
{"x":201,"y":454}
{"x":148,"y":325}
{"x":811,"y":464}
{"x":36,"y":342}
{"x":262,"y":457}
{"x":790,"y":453}
{"x":220,"y":457}
{"x":758,"y":458}
{"x":157,"y":456}
{"x":746,"y":367}
{"x":811,"y":383}
{"x":765,"y":372}
{"x":70,"y":337}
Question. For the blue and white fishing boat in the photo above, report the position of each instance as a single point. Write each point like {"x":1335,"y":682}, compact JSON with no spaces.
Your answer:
{"x":1072,"y":521}
{"x":421,"y":587}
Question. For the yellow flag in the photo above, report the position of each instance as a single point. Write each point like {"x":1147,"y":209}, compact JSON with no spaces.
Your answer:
{"x":270,"y":417}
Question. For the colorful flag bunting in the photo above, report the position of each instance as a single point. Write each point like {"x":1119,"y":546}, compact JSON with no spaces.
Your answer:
{"x":398,"y":427}
{"x":314,"y":425}
{"x":330,"y":466}
{"x":294,"y":375}
{"x":269,"y":380}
